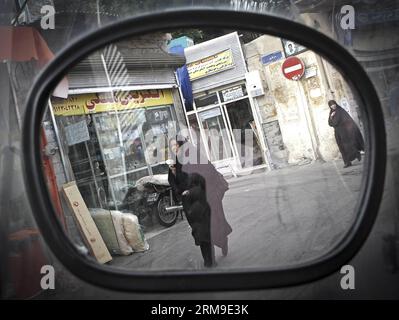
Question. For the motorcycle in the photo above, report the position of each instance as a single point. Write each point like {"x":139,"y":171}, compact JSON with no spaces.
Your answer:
{"x":152,"y":196}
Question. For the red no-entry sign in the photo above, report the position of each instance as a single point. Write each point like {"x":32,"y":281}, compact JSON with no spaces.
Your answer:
{"x":293,"y":68}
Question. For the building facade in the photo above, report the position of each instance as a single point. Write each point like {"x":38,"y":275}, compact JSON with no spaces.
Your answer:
{"x":121,"y":102}
{"x":294,"y":114}
{"x":224,"y":113}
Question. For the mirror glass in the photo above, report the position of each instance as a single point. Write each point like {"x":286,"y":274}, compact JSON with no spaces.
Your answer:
{"x":204,"y":149}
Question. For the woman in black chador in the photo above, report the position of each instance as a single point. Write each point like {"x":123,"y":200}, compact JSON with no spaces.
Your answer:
{"x":200,"y":188}
{"x":347,"y":134}
{"x":198,"y":213}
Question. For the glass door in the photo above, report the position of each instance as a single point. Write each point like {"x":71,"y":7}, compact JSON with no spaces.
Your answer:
{"x":134,"y":144}
{"x":108,"y":132}
{"x":244,"y":133}
{"x":85,"y":158}
{"x":216,"y":135}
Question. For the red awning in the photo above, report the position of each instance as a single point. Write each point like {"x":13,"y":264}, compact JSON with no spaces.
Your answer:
{"x":24,"y":44}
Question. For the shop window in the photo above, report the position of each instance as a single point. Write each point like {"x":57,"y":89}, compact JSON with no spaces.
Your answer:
{"x":84,"y":156}
{"x":120,"y":148}
{"x":216,"y":134}
{"x":194,"y":128}
{"x":145,"y":149}
{"x":207,"y":100}
{"x":159,"y":127}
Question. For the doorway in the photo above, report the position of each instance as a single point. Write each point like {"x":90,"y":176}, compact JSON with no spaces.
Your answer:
{"x":225,"y":121}
{"x":244,"y":133}
{"x":217,"y":137}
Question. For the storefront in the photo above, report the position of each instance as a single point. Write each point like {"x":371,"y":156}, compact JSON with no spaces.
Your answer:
{"x":224,"y":112}
{"x":107,"y":145}
{"x":109,"y":135}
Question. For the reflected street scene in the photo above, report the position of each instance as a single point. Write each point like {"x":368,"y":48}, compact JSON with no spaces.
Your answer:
{"x":204,"y":150}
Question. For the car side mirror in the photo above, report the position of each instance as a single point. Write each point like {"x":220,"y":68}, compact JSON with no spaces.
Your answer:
{"x":291,"y":215}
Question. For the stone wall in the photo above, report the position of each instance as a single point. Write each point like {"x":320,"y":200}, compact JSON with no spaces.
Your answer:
{"x":300,"y":107}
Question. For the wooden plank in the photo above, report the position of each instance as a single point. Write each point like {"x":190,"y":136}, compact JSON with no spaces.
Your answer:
{"x":86,"y":223}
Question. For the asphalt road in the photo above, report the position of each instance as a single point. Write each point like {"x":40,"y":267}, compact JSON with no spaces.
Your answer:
{"x":279,"y":218}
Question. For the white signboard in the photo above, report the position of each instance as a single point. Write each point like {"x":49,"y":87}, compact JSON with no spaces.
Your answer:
{"x":210,"y":65}
{"x":77,"y":133}
{"x":232,"y":93}
{"x":210,"y":113}
{"x":310,"y":72}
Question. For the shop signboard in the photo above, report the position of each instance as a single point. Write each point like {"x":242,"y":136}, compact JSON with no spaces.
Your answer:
{"x":232,"y":93}
{"x":158,"y":116}
{"x":105,"y":102}
{"x":210,"y":113}
{"x":210,"y":65}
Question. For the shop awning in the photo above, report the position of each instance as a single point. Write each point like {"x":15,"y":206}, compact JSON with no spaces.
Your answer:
{"x":130,"y":70}
{"x":21,"y":44}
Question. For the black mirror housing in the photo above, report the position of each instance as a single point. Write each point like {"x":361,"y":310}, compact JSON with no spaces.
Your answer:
{"x":78,"y":263}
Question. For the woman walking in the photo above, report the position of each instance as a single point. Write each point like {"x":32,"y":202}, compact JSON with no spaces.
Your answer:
{"x":198,"y":171}
{"x":347,"y":134}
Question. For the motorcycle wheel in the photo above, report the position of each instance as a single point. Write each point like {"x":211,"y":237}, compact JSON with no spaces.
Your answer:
{"x":166,"y":219}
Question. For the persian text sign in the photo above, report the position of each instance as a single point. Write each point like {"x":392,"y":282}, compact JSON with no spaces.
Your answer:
{"x":210,"y":65}
{"x":102,"y":102}
{"x":232,"y":93}
{"x":272,"y":57}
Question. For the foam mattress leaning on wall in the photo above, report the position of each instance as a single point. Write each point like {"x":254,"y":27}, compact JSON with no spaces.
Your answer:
{"x":121,"y":232}
{"x":133,"y":232}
